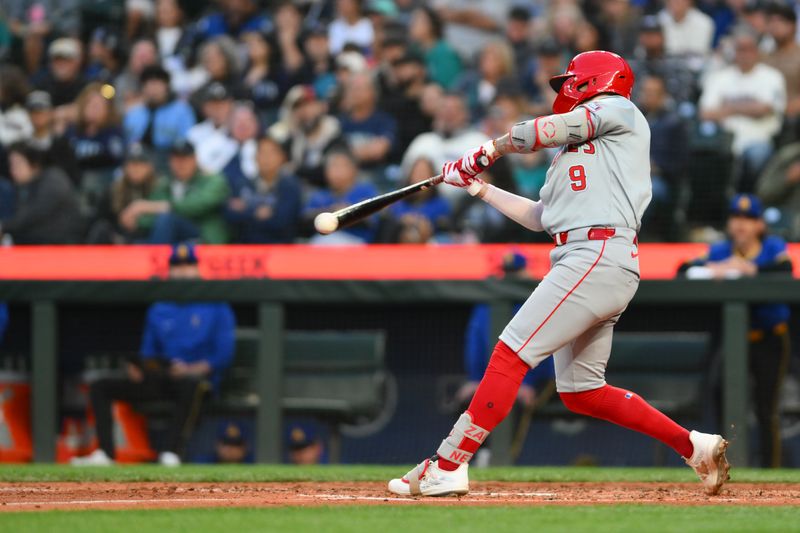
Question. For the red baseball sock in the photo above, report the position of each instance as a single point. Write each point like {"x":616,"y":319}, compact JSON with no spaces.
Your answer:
{"x":495,"y":395}
{"x":630,"y":411}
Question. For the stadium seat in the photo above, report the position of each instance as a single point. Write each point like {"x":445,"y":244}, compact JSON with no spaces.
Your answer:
{"x":336,"y":377}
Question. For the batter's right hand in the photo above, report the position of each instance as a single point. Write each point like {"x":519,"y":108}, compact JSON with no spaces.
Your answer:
{"x":453,"y":175}
{"x":463,"y":172}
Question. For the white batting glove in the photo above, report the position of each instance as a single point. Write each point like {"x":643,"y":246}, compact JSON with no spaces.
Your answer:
{"x":463,"y":172}
{"x":453,"y":175}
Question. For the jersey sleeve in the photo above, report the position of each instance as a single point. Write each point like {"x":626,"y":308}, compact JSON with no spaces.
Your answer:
{"x":609,"y":115}
{"x":774,"y":258}
{"x":719,"y":252}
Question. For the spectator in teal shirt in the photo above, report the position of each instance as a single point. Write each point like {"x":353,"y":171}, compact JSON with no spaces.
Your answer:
{"x":442,"y":61}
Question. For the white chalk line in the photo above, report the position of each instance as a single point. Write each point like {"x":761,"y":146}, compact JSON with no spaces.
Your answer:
{"x":515,"y":494}
{"x":118,"y":502}
{"x":348,"y":497}
{"x":344,"y":497}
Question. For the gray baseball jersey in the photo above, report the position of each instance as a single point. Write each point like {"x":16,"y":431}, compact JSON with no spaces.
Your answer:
{"x":604,"y":181}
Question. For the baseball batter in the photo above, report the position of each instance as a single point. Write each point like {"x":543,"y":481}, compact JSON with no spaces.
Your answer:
{"x":592,"y":203}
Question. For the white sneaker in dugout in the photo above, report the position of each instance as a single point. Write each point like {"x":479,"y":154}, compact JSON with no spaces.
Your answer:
{"x":169,"y":459}
{"x":708,"y":460}
{"x":427,"y":479}
{"x":96,"y":458}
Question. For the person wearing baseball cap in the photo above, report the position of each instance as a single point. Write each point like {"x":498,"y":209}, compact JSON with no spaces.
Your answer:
{"x":313,"y":131}
{"x":304,"y":444}
{"x":185,"y":348}
{"x":55,"y":146}
{"x":210,"y":137}
{"x":749,"y":251}
{"x":232,"y":444}
{"x":184,"y":206}
{"x":64,"y":78}
{"x":183,"y":263}
{"x":113,"y":223}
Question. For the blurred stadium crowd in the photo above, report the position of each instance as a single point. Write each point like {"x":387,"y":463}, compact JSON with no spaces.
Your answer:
{"x":237,"y":121}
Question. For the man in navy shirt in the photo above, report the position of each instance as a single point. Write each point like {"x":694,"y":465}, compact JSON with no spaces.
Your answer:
{"x":747,"y":252}
{"x":185,"y":348}
{"x":266,"y":210}
{"x":369,"y":132}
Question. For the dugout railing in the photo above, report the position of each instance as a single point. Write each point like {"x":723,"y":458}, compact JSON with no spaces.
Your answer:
{"x":271,"y":296}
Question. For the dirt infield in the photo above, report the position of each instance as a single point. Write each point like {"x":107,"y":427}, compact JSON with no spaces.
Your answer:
{"x":96,"y":495}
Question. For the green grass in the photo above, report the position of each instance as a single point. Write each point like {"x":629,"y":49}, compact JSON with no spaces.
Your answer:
{"x":405,"y":517}
{"x":597,"y":519}
{"x":265,"y":473}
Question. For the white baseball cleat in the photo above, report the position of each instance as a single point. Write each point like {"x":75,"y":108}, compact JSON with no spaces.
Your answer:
{"x":427,"y":479}
{"x":708,"y":460}
{"x":96,"y":458}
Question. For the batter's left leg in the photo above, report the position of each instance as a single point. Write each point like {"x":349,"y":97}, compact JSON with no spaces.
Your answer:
{"x":580,"y":378}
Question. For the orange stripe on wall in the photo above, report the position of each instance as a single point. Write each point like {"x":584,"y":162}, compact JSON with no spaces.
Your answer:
{"x":460,"y":262}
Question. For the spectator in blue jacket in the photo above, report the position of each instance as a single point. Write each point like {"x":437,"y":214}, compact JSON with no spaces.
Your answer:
{"x":185,"y":348}
{"x":344,"y":189}
{"x":160,"y":121}
{"x":266,"y":210}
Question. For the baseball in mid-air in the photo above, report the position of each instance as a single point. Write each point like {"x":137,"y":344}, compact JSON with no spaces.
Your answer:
{"x":326,"y":223}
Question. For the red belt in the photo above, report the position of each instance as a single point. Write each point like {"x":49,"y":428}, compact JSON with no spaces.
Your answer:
{"x":594,"y":234}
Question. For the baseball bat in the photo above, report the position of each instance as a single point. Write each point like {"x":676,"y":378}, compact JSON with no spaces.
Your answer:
{"x":326,"y":223}
{"x":329,"y":222}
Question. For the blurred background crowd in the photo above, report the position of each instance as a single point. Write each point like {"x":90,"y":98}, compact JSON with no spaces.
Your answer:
{"x":237,"y":121}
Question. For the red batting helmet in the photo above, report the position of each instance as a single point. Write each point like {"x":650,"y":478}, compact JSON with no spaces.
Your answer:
{"x":590,"y":74}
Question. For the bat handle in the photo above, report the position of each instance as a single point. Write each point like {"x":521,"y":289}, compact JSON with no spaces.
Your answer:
{"x":483,"y":162}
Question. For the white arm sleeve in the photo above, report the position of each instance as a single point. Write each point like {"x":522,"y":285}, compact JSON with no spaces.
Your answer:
{"x":521,"y":210}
